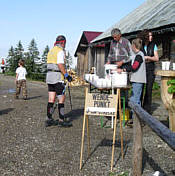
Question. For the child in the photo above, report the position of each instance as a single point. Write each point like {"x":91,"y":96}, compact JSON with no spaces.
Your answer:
{"x":21,"y":80}
{"x":138,"y":71}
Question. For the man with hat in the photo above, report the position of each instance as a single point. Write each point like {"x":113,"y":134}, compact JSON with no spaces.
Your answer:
{"x":56,"y":86}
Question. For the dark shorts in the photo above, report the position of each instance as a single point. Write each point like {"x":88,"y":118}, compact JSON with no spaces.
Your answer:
{"x":59,"y":88}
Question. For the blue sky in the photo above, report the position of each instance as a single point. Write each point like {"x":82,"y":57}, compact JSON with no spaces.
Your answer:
{"x":43,"y":20}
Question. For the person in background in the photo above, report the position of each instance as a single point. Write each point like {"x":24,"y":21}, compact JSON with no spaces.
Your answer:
{"x":21,"y":80}
{"x":151,"y":56}
{"x":138,"y":72}
{"x":56,"y":87}
{"x":3,"y":66}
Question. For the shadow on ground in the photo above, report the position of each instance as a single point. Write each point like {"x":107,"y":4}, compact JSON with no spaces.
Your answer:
{"x":75,"y":114}
{"x":107,"y":142}
{"x":6,"y":111}
{"x":155,"y":106}
{"x":165,"y":122}
{"x":30,"y":98}
{"x":148,"y":159}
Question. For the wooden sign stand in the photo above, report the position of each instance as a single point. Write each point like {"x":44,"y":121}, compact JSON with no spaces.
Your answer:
{"x":117,"y":100}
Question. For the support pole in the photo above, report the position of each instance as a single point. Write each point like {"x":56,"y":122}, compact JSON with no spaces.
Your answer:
{"x":114,"y":133}
{"x":121,"y":128}
{"x":137,"y":147}
{"x":83,"y":131}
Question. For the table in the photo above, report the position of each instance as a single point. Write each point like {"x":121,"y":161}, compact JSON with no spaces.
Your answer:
{"x":168,"y":99}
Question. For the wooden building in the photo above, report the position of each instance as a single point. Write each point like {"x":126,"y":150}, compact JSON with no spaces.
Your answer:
{"x":87,"y":57}
{"x":155,"y":15}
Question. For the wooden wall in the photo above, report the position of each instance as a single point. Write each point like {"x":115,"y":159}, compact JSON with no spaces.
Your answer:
{"x":93,"y":57}
{"x":82,"y":64}
{"x":100,"y":61}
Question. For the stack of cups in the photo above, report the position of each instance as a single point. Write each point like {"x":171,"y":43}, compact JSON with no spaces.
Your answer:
{"x":166,"y":65}
{"x":173,"y":66}
{"x":86,"y":77}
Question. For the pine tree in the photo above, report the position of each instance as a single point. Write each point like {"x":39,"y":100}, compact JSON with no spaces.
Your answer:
{"x":11,"y":60}
{"x":44,"y":60}
{"x":68,"y":60}
{"x":19,"y":53}
{"x":32,"y":58}
{"x":14,"y":56}
{"x":28,"y":63}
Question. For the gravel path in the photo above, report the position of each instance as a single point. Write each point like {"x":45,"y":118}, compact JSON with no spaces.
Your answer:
{"x":27,"y":148}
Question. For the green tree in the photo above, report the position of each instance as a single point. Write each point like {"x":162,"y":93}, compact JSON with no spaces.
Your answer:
{"x":14,"y":56}
{"x":32,"y":58}
{"x":44,"y":60}
{"x":11,"y":60}
{"x":68,"y":60}
{"x":19,"y":53}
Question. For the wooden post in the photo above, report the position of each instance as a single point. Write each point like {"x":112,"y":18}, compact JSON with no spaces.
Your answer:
{"x":82,"y":141}
{"x":137,"y":147}
{"x":88,"y":134}
{"x":83,"y":131}
{"x":114,"y":133}
{"x":168,"y":99}
{"x":121,"y":128}
{"x":171,"y":113}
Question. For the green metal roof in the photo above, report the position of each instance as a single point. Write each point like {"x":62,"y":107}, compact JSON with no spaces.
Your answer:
{"x":151,"y":14}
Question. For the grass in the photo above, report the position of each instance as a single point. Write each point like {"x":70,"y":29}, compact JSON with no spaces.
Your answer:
{"x":156,"y":91}
{"x":9,"y":73}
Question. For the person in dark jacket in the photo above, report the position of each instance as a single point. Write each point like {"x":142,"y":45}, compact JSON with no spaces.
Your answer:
{"x":151,"y":56}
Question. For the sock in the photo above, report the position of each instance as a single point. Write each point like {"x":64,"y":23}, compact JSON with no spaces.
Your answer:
{"x":49,"y":110}
{"x":61,"y":110}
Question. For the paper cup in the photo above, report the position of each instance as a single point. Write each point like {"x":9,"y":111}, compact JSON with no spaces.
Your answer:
{"x":103,"y":83}
{"x":108,"y":83}
{"x":167,"y":65}
{"x":86,"y":77}
{"x":90,"y":77}
{"x":163,"y":65}
{"x":99,"y":83}
{"x":173,"y":66}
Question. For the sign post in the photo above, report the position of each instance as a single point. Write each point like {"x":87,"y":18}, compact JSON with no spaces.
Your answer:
{"x":97,"y":104}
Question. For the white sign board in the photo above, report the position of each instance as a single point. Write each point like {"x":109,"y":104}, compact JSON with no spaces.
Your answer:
{"x":100,"y":104}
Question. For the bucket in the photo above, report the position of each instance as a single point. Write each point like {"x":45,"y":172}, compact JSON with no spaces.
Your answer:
{"x":87,"y":77}
{"x":127,"y":112}
{"x":119,"y":79}
{"x":173,"y":66}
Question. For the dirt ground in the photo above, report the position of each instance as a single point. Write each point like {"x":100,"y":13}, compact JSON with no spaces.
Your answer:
{"x":27,"y":148}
